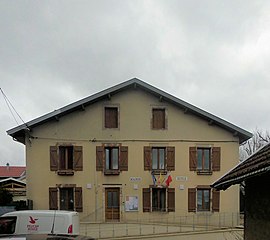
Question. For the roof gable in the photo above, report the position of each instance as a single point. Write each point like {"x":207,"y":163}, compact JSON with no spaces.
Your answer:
{"x":19,"y":132}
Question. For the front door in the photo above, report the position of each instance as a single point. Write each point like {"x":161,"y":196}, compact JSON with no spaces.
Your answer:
{"x":112,"y":204}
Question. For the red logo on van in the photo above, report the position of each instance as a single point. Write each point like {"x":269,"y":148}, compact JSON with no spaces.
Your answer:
{"x":32,"y":220}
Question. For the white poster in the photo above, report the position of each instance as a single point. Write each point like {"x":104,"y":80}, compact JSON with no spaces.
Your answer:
{"x":131,"y":203}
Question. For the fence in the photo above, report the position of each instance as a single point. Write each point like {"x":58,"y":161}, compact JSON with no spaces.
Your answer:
{"x":141,"y":225}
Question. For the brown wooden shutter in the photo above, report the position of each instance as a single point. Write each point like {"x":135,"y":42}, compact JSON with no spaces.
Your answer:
{"x":99,"y":158}
{"x":111,"y":117}
{"x":171,"y":200}
{"x":53,"y":158}
{"x":78,"y":199}
{"x":147,"y":158}
{"x":192,"y":158}
{"x":146,"y":199}
{"x":158,"y":119}
{"x":216,"y":158}
{"x":123,"y":166}
{"x":78,"y":158}
{"x":53,"y":204}
{"x":192,"y":199}
{"x":170,"y":158}
{"x":215,"y":201}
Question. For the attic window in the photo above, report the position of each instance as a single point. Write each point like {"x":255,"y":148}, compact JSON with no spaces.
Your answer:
{"x":111,"y":117}
{"x":159,"y":120}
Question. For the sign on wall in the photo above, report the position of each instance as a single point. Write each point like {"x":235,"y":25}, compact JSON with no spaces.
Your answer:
{"x":131,"y":203}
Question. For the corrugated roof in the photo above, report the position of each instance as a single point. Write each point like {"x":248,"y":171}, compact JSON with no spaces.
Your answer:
{"x":256,"y":164}
{"x":19,"y":132}
{"x":11,"y":171}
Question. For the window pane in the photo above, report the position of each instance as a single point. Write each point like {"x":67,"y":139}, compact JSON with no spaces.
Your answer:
{"x":161,"y":158}
{"x":107,"y":158}
{"x":199,"y":160}
{"x":69,"y":157}
{"x":199,"y":199}
{"x":109,"y":199}
{"x":154,"y":199}
{"x":206,"y":159}
{"x":162,"y":200}
{"x":7,"y":225}
{"x":206,"y":200}
{"x":115,"y":158}
{"x":115,"y":200}
{"x":154,"y":158}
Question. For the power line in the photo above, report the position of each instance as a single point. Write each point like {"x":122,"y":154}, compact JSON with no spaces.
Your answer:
{"x":10,"y":107}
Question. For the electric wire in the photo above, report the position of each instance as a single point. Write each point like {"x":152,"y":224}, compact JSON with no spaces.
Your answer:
{"x":10,"y":107}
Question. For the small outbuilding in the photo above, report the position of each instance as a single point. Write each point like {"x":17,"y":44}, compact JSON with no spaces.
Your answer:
{"x":255,"y":173}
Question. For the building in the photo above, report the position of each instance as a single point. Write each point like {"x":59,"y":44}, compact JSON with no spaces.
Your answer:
{"x":13,"y":179}
{"x":130,"y":151}
{"x":255,"y":173}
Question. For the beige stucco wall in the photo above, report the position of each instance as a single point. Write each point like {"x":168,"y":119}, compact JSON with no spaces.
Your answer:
{"x":81,"y":127}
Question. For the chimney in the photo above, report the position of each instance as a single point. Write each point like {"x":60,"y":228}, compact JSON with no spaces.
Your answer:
{"x":7,"y":166}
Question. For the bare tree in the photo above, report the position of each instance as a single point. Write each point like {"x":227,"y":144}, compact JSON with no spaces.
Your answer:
{"x":260,"y":138}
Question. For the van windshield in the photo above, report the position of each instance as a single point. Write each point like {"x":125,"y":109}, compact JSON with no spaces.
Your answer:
{"x":7,"y":225}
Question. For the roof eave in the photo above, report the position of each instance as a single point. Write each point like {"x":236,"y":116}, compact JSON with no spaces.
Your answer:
{"x":18,"y":133}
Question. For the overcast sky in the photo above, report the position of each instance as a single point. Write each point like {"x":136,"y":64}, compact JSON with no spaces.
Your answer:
{"x":212,"y":54}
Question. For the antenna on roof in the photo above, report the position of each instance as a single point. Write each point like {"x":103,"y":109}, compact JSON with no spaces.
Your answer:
{"x":10,"y":107}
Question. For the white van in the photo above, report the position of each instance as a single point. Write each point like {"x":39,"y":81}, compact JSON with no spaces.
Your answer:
{"x":39,"y":222}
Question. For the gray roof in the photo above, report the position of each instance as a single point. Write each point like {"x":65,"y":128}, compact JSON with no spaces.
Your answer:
{"x":18,"y":132}
{"x":256,"y":164}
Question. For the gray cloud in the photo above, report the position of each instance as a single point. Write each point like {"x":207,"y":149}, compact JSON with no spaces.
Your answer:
{"x":213,"y":54}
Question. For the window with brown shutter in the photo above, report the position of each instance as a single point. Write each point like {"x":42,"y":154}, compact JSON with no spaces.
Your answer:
{"x":215,"y":200}
{"x":158,"y":118}
{"x":204,"y":160}
{"x":159,"y":159}
{"x":53,"y":203}
{"x":171,"y":199}
{"x":111,"y":117}
{"x":146,"y":200}
{"x":192,"y":199}
{"x":78,"y":199}
{"x":66,"y":159}
{"x":112,"y":159}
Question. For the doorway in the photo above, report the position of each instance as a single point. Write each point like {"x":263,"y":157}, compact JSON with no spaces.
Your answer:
{"x":112,"y":204}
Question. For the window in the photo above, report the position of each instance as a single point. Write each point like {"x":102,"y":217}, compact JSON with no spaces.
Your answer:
{"x":159,"y":158}
{"x":204,"y":160}
{"x":65,"y":198}
{"x":203,"y":199}
{"x":111,"y":117}
{"x":159,"y":118}
{"x":7,"y":225}
{"x":111,"y":159}
{"x":66,"y":159}
{"x":158,"y":199}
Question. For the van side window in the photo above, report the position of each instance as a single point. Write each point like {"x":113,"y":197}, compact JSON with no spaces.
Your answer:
{"x":7,"y":225}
